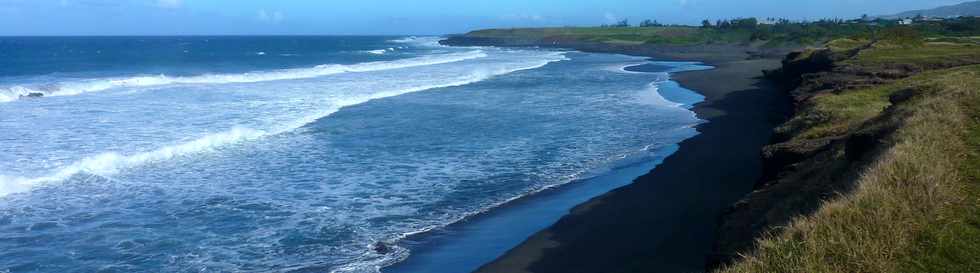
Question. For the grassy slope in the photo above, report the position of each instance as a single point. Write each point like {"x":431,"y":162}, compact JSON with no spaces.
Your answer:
{"x":923,"y":58}
{"x":794,"y":34}
{"x":679,"y":35}
{"x":835,"y":114}
{"x":765,"y":35}
{"x":797,"y":34}
{"x":917,"y":207}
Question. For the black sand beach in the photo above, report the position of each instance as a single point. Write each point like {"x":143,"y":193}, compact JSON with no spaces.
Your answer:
{"x":665,"y":221}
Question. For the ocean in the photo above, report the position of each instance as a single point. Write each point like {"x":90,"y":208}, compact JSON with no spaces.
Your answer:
{"x":302,"y":154}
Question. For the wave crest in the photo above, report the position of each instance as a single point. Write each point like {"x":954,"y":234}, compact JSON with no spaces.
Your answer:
{"x":111,"y":163}
{"x":16,"y":92}
{"x":420,"y":41}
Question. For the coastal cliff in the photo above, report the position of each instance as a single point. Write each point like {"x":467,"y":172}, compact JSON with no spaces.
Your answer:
{"x":873,"y":172}
{"x":858,"y":155}
{"x":665,"y":220}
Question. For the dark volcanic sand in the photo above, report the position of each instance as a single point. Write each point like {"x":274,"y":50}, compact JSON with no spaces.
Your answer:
{"x":665,"y":221}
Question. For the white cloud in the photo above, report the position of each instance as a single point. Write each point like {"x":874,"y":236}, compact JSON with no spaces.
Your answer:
{"x":271,"y":17}
{"x":170,"y":4}
{"x":611,"y":18}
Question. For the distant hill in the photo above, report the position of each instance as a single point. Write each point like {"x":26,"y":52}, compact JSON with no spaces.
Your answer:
{"x":964,"y":9}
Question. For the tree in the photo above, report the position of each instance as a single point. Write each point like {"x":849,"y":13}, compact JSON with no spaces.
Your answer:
{"x":724,"y":24}
{"x":747,"y":23}
{"x":650,"y":23}
{"x":623,"y":23}
{"x":706,"y":23}
{"x":968,"y":24}
{"x":738,"y":23}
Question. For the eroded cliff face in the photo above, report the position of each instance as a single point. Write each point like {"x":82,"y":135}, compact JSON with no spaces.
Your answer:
{"x":844,"y":118}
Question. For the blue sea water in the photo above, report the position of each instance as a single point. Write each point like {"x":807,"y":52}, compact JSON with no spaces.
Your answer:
{"x":220,"y":154}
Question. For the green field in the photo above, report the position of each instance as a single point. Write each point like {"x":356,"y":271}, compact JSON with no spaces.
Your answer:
{"x":679,"y":35}
{"x":781,"y":34}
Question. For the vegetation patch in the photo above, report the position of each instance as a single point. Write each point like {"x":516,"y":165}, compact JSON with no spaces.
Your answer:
{"x":929,"y":55}
{"x":772,"y":33}
{"x":836,"y":114}
{"x":915,"y":208}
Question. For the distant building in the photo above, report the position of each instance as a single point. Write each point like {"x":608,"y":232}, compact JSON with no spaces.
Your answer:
{"x":920,"y":18}
{"x":906,"y":21}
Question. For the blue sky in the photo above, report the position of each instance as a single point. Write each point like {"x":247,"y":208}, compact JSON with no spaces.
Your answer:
{"x":202,"y":17}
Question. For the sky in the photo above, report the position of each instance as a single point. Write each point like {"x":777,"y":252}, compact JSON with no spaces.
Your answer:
{"x":401,"y":17}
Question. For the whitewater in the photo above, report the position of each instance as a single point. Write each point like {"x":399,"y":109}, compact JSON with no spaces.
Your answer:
{"x":12,"y":93}
{"x":106,"y":164}
{"x":197,"y":153}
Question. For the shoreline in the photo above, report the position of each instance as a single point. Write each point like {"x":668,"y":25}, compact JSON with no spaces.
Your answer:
{"x":667,"y":219}
{"x":457,"y":245}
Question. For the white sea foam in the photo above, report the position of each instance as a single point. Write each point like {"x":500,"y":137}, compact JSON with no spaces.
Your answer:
{"x":408,"y":39}
{"x":420,"y":41}
{"x":71,"y":88}
{"x":622,"y":68}
{"x":381,"y":51}
{"x":651,"y":95}
{"x":111,"y":163}
{"x":298,"y":97}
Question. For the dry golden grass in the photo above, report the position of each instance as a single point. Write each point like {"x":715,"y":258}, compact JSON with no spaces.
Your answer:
{"x":914,"y":210}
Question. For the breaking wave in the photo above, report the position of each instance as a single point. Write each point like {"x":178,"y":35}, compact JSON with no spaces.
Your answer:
{"x":70,"y":88}
{"x":380,"y":51}
{"x":111,"y":163}
{"x":420,"y":41}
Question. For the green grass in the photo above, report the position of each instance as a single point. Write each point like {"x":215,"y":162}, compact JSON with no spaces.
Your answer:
{"x":967,"y":40}
{"x":927,"y":56}
{"x":952,"y":242}
{"x":835,"y":114}
{"x":842,"y":112}
{"x":845,"y":44}
{"x":778,"y":35}
{"x":915,"y":209}
{"x":676,"y":35}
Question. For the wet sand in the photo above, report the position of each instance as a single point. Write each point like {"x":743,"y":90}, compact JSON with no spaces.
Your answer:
{"x":665,"y":221}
